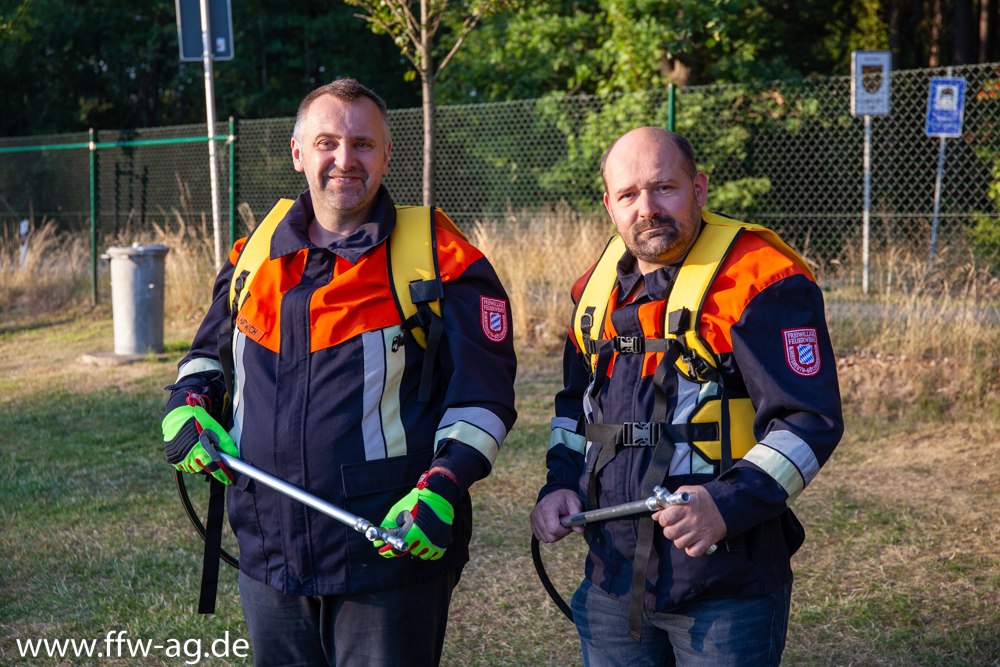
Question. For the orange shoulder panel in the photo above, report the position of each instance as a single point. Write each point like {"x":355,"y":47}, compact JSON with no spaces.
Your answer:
{"x":356,"y":300}
{"x":580,"y":283}
{"x":651,"y":316}
{"x":234,"y":254}
{"x":609,"y":330}
{"x":260,"y":316}
{"x":751,"y":266}
{"x":455,"y":254}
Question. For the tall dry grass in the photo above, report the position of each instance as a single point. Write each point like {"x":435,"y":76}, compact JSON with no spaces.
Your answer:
{"x":950,"y":312}
{"x":190,"y":264}
{"x":953,"y":310}
{"x":54,"y":273}
{"x":538,"y":259}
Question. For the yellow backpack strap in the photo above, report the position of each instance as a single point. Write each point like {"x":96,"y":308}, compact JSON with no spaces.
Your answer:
{"x":696,"y":275}
{"x":416,"y":281}
{"x":772,"y":239}
{"x":413,"y":267}
{"x":591,"y":307}
{"x":255,"y":252}
{"x":691,"y":285}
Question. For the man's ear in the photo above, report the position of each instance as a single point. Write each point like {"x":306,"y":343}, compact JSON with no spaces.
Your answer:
{"x":385,"y":164}
{"x":701,"y":188}
{"x":297,"y":155}
{"x":607,"y":206}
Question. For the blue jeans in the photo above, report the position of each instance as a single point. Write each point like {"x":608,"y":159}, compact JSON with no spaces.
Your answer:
{"x":399,"y":626}
{"x":749,"y":632}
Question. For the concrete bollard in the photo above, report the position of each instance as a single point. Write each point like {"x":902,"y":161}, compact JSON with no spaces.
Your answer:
{"x":137,"y":273}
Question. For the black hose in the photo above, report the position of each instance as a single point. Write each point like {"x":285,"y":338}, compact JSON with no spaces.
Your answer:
{"x":536,"y":557}
{"x":193,"y":516}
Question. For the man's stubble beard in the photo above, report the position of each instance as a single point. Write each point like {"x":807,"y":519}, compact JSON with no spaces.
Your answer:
{"x":662,"y":246}
{"x":328,"y":200}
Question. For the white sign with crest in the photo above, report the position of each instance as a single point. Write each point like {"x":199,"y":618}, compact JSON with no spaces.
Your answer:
{"x":870,"y":83}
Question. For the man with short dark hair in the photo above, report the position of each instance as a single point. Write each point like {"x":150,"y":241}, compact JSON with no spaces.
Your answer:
{"x":698,"y":360}
{"x":370,"y":364}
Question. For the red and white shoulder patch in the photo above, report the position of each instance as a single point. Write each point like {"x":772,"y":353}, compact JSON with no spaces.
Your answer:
{"x":493,"y":314}
{"x":802,"y":351}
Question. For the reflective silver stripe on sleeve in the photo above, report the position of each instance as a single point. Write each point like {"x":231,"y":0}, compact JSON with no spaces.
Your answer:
{"x":374,"y":378}
{"x":574,"y":441}
{"x":198,"y":365}
{"x":480,"y":417}
{"x":471,"y":435}
{"x":564,"y":422}
{"x":239,"y":346}
{"x":780,"y":466}
{"x":392,"y":421}
{"x":796,"y":450}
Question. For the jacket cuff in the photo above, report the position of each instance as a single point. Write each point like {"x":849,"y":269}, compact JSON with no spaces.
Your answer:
{"x":467,"y":464}
{"x":746,"y":496}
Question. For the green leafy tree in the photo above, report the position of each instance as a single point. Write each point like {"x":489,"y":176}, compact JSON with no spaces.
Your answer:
{"x":114,"y":64}
{"x":14,"y":23}
{"x":414,"y":35}
{"x":605,"y":46}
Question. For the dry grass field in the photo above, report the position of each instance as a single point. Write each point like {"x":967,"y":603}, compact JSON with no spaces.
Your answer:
{"x":900,"y":565}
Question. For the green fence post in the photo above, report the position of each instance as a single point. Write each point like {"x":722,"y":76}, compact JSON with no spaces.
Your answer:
{"x":93,"y":218}
{"x":232,"y":181}
{"x":671,"y":100}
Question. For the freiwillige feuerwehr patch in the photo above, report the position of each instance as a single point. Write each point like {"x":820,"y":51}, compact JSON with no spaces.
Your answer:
{"x":494,"y":318}
{"x":802,"y":351}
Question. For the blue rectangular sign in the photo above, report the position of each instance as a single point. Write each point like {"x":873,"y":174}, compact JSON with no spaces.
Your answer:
{"x":220,"y":19}
{"x":945,"y":107}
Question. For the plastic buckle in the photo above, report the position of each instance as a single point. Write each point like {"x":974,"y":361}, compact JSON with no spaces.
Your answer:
{"x":629,"y":344}
{"x":640,"y":434}
{"x":398,"y":340}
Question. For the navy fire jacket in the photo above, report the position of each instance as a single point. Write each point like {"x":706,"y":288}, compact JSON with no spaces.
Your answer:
{"x":327,"y":402}
{"x":758,"y":297}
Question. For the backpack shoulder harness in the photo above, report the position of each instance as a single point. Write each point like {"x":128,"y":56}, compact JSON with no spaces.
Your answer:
{"x":719,"y":429}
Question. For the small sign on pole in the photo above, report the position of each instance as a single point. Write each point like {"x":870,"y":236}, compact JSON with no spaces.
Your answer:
{"x":870,"y":96}
{"x":945,"y":111}
{"x":945,"y":107}
{"x":189,"y":29}
{"x":870,"y":83}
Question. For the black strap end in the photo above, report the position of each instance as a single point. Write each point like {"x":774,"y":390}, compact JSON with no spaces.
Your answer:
{"x":425,"y":291}
{"x":679,"y":321}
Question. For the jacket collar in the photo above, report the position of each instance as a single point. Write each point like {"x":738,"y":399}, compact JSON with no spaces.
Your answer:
{"x":657,"y":283}
{"x":292,"y":234}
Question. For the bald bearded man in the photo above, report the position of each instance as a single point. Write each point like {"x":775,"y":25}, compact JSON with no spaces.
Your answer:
{"x":699,"y":360}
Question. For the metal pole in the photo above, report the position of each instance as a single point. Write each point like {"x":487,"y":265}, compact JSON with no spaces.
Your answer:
{"x":210,"y":441}
{"x":937,"y":194}
{"x":232,"y":181}
{"x":92,"y":146}
{"x":363,"y":526}
{"x":866,"y":212}
{"x":206,"y":52}
{"x":671,"y":102}
{"x":657,"y":501}
{"x":937,"y":203}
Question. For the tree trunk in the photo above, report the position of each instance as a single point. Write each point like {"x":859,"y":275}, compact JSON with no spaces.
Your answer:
{"x":427,"y":91}
{"x":984,"y":30}
{"x":893,"y":17}
{"x":963,"y":32}
{"x":937,"y":23}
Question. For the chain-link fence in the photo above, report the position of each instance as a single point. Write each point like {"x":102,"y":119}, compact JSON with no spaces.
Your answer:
{"x":786,"y":154}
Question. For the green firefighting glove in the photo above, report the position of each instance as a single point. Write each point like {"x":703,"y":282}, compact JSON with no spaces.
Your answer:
{"x":181,"y":429}
{"x":423,"y":517}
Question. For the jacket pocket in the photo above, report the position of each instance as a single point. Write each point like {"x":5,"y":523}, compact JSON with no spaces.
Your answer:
{"x":371,"y":487}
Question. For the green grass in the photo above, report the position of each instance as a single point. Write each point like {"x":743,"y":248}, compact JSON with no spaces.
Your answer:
{"x":93,"y":539}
